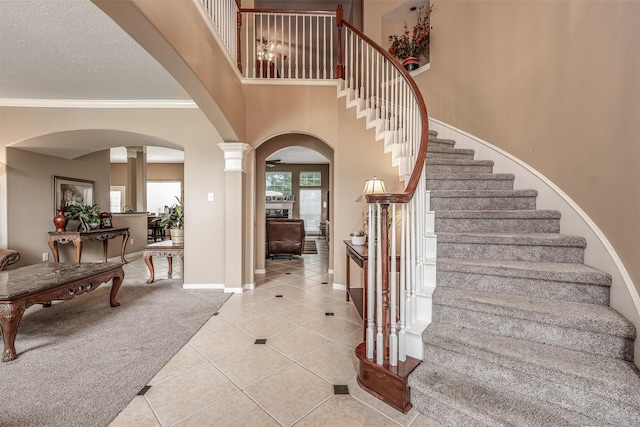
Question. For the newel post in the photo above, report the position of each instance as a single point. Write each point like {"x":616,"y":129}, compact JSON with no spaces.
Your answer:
{"x":340,"y":66}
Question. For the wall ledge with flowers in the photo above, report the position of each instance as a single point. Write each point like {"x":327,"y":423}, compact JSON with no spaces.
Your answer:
{"x":412,"y":46}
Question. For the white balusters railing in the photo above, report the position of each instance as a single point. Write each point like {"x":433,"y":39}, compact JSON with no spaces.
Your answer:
{"x":288,"y":44}
{"x":223,"y":15}
{"x":386,"y":95}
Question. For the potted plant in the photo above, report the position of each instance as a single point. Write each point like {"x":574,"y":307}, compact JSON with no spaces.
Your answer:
{"x":173,"y":219}
{"x":358,"y":238}
{"x":89,"y":215}
{"x":410,"y":47}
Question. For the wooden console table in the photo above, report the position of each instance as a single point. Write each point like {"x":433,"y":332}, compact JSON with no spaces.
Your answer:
{"x":44,"y":282}
{"x":360,"y":255}
{"x":165,"y":249}
{"x":78,"y":238}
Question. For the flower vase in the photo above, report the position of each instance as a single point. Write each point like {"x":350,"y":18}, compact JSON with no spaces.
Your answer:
{"x":411,"y":63}
{"x":60,"y":220}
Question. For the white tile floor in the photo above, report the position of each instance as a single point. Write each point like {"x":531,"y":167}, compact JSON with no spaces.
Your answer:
{"x":222,"y":378}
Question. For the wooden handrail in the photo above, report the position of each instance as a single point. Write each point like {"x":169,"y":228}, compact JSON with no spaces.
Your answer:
{"x":410,"y":189}
{"x":290,"y":12}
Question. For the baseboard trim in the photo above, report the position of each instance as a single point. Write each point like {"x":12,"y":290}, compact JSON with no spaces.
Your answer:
{"x":249,"y":286}
{"x":233,"y":290}
{"x":261,"y":271}
{"x":339,"y":286}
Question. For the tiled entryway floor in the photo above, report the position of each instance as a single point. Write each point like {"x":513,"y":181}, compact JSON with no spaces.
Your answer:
{"x":221,"y":377}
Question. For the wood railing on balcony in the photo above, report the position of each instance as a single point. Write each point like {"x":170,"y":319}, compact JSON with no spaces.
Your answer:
{"x":295,"y":45}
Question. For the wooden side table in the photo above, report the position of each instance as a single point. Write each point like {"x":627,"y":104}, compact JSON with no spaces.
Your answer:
{"x":166,"y":249}
{"x":79,"y":237}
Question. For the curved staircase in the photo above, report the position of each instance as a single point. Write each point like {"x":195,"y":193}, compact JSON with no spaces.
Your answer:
{"x":522,"y":332}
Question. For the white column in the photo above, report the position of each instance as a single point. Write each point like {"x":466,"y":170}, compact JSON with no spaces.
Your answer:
{"x":234,"y":236}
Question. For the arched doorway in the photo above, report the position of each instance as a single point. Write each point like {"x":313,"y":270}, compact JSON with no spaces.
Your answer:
{"x":302,"y":153}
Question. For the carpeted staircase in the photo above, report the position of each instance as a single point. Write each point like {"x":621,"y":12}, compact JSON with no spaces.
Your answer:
{"x":522,"y":331}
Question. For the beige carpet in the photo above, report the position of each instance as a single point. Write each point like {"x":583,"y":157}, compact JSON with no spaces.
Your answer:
{"x":80,"y":362}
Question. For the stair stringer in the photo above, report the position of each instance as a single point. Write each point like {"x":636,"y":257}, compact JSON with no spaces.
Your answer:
{"x":599,"y":254}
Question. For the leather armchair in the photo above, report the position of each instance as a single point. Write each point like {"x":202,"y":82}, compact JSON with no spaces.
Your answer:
{"x":285,"y":237}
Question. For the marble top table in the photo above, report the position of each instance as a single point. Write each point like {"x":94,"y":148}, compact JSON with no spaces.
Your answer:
{"x":44,"y":282}
{"x":79,"y":237}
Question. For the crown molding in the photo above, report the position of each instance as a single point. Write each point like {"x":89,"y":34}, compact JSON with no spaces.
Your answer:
{"x":97,"y":103}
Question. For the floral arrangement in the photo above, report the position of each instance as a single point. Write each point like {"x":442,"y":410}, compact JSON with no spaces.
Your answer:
{"x":416,"y":42}
{"x":360,"y":233}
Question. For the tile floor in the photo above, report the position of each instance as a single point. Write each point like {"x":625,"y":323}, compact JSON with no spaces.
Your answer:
{"x":221,"y":377}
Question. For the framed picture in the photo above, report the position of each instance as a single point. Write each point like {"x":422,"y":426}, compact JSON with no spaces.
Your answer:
{"x":106,"y":220}
{"x":72,"y":191}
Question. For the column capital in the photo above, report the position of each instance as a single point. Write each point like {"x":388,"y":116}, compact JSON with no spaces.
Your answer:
{"x":233,"y":155}
{"x":132,"y":152}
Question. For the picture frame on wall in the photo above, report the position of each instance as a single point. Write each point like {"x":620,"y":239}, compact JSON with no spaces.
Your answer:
{"x":72,"y":191}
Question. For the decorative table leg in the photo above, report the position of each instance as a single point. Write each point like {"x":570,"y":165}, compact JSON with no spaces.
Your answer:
{"x":149,"y":261}
{"x":115,"y":287}
{"x":78,"y":246}
{"x":125,"y":239}
{"x":105,"y":249}
{"x":170,"y":261}
{"x":53,"y":245}
{"x":10,"y":316}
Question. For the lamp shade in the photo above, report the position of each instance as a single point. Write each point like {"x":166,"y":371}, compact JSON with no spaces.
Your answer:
{"x":372,"y":186}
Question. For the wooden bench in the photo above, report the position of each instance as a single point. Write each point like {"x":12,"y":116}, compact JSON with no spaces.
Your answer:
{"x":45,"y":282}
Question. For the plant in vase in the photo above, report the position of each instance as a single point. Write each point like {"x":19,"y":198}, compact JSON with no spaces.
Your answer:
{"x":358,"y":238}
{"x":173,"y":219}
{"x":410,"y":47}
{"x":89,"y":215}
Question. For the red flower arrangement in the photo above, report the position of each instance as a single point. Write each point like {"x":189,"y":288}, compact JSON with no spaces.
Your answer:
{"x":415,"y":43}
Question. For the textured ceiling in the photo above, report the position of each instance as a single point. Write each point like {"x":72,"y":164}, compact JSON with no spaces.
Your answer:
{"x":69,"y":49}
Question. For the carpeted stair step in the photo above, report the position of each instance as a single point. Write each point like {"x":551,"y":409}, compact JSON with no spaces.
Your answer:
{"x":435,"y":142}
{"x":503,"y":221}
{"x":470,"y":181}
{"x":449,"y":153}
{"x":550,"y":280}
{"x":437,"y":165}
{"x":602,"y":388}
{"x":542,"y":247}
{"x":454,"y":399}
{"x":590,"y":328}
{"x":482,"y":199}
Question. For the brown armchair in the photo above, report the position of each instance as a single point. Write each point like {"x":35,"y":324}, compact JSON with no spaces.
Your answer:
{"x":285,"y":237}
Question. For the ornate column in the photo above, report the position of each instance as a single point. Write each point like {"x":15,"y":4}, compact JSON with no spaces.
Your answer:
{"x":234,"y":235}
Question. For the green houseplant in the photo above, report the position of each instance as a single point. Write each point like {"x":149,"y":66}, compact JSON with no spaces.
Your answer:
{"x":89,"y":215}
{"x":173,"y":219}
{"x":413,"y":45}
{"x":358,"y":238}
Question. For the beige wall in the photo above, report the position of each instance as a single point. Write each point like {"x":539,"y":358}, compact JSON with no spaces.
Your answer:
{"x":155,"y":172}
{"x":556,"y":84}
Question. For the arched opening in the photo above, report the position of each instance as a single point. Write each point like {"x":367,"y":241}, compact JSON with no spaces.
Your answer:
{"x":295,"y":156}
